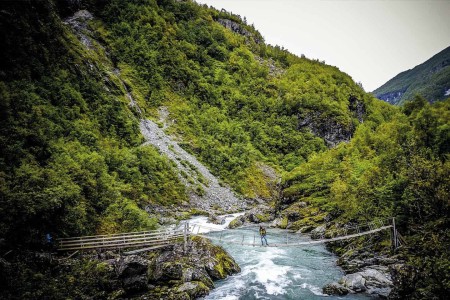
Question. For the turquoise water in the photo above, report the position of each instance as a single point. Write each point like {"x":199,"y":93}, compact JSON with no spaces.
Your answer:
{"x":276,"y":272}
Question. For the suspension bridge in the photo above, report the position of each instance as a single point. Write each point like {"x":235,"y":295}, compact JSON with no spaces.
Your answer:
{"x":149,"y":240}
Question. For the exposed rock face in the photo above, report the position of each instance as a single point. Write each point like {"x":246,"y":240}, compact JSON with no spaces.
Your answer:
{"x":331,"y":131}
{"x":274,"y":70}
{"x":392,"y":97}
{"x":357,"y":108}
{"x":328,"y":128}
{"x":79,"y":24}
{"x":132,"y":271}
{"x":238,"y":28}
{"x":355,"y":282}
{"x":205,"y":189}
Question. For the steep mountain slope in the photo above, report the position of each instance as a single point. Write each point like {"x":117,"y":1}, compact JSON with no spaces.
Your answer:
{"x":431,"y":80}
{"x":77,"y":87}
{"x":234,"y":102}
{"x":202,"y":187}
{"x":76,"y":83}
{"x":71,"y":161}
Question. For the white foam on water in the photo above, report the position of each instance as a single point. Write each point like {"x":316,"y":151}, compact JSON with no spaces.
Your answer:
{"x":301,"y":273}
{"x":200,"y":224}
{"x":272,"y":276}
{"x":229,"y":291}
{"x":314,"y":289}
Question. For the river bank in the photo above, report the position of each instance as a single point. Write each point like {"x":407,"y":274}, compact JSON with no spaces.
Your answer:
{"x":365,"y":267}
{"x":271,"y":272}
{"x":166,"y":273}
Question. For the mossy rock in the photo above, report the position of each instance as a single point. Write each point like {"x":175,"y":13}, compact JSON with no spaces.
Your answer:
{"x":219,"y":264}
{"x":309,"y":223}
{"x":194,"y":289}
{"x":284,"y":223}
{"x":239,"y":221}
{"x":262,"y":218}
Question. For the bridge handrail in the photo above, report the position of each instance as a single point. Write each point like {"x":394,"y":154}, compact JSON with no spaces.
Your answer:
{"x":120,"y":239}
{"x":114,"y":234}
{"x":116,"y":237}
{"x":117,"y":245}
{"x":124,"y":240}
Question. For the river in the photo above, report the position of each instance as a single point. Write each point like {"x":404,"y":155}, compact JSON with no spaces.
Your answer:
{"x":272,"y":272}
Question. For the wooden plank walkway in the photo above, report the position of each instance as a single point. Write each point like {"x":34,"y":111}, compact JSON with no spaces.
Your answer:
{"x":121,"y":241}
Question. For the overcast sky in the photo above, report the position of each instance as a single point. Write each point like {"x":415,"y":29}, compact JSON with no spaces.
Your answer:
{"x":371,"y":40}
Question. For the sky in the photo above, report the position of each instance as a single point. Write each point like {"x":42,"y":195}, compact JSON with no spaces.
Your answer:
{"x":371,"y":40}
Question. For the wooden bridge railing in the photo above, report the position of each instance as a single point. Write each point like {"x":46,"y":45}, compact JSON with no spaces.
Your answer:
{"x":125,"y":240}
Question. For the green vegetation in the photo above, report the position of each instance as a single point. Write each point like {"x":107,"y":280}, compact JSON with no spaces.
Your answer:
{"x":397,"y":168}
{"x":429,"y":80}
{"x":218,"y":87}
{"x":72,"y":140}
{"x":40,"y":278}
{"x":71,"y":160}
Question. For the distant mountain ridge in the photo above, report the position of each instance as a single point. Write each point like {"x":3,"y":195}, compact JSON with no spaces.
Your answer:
{"x":430,"y":79}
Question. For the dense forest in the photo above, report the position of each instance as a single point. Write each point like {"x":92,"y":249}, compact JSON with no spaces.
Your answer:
{"x":72,"y":160}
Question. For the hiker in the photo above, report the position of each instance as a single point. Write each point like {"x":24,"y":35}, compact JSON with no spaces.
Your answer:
{"x":262,"y":233}
{"x":49,"y":241}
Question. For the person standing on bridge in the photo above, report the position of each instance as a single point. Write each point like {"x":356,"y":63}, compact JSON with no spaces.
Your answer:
{"x":262,"y":233}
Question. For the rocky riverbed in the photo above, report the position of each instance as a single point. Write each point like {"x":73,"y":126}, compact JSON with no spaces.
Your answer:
{"x":366,"y":270}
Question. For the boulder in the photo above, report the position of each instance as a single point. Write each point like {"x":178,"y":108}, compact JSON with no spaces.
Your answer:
{"x":239,"y":221}
{"x":293,"y":215}
{"x":194,"y":289}
{"x":132,"y":272}
{"x":216,"y":220}
{"x":172,"y":271}
{"x":354,"y":282}
{"x":377,"y":282}
{"x":336,"y":289}
{"x":318,"y":232}
{"x":382,"y":293}
{"x":277,"y":222}
{"x":373,"y":281}
{"x":376,"y":278}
